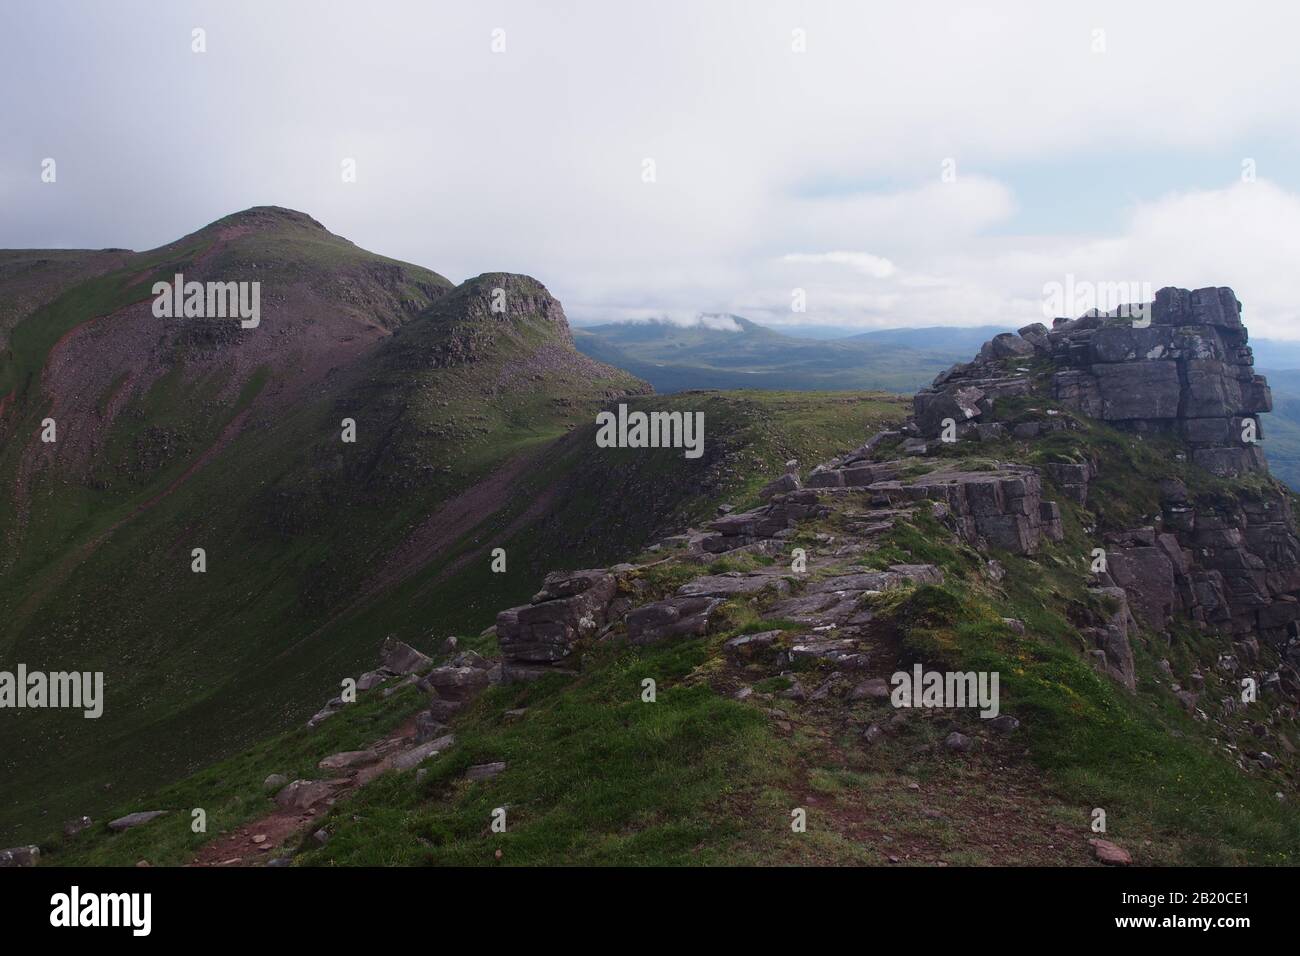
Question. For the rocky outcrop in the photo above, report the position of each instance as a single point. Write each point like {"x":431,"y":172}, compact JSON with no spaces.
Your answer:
{"x":570,"y":606}
{"x":305,"y":794}
{"x":772,"y":521}
{"x":1188,"y":372}
{"x":1072,"y":479}
{"x":685,"y":616}
{"x":455,"y":684}
{"x":1108,"y":632}
{"x":1230,"y":562}
{"x":1179,"y":366}
{"x":1001,"y":509}
{"x":399,"y":658}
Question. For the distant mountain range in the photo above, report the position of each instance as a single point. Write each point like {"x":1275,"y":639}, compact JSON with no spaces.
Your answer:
{"x":1282,"y":428}
{"x":728,"y":351}
{"x":1275,"y":353}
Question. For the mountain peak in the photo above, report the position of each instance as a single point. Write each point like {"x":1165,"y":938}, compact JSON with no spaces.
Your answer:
{"x":269,"y":217}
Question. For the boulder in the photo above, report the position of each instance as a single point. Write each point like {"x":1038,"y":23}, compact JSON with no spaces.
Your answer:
{"x":961,"y":404}
{"x":875,"y":689}
{"x":1037,"y":336}
{"x":1003,"y":724}
{"x":786,"y":483}
{"x":428,"y":727}
{"x":456,"y":683}
{"x":1006,"y":345}
{"x":134,"y":820}
{"x":303,"y":794}
{"x":959,"y":742}
{"x":571,"y":606}
{"x":422,"y":752}
{"x":1103,"y":851}
{"x":674,"y":617}
{"x":400,"y":658}
{"x":349,"y":759}
{"x":76,"y":825}
{"x":20,"y":856}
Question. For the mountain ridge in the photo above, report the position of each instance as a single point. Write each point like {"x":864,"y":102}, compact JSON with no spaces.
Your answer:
{"x":970,"y":552}
{"x":471,"y":432}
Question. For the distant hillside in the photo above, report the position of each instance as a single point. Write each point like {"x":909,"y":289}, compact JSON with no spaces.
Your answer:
{"x":1276,"y":353}
{"x":674,"y":357}
{"x":1282,"y":427}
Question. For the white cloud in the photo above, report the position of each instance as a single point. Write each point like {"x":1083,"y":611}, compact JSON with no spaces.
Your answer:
{"x":864,"y":262}
{"x":530,"y":160}
{"x":719,"y":323}
{"x":716,"y":323}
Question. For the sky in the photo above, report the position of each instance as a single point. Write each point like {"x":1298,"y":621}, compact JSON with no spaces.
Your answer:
{"x":798,"y":163}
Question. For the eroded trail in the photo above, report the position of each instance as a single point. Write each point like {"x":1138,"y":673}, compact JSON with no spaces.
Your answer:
{"x":254,"y":843}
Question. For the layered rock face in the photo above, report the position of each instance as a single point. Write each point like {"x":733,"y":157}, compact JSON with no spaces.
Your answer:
{"x":570,"y":605}
{"x":1179,"y":366}
{"x":1189,"y":372}
{"x":1231,"y":563}
{"x":1002,"y":509}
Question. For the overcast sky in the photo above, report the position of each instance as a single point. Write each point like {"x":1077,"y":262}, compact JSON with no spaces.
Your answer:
{"x":1112,"y":157}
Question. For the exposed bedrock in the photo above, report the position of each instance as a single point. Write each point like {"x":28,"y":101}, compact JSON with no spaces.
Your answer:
{"x":1180,"y":366}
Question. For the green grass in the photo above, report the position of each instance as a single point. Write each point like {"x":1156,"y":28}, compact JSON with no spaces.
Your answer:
{"x":1139,"y":756}
{"x":258,"y":641}
{"x":594,"y":776}
{"x":1102,"y":746}
{"x":230,"y":792}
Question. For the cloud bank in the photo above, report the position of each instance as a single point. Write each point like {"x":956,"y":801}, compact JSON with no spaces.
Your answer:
{"x":934,"y":163}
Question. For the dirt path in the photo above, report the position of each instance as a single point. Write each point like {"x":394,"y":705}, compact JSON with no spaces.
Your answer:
{"x":285,"y":826}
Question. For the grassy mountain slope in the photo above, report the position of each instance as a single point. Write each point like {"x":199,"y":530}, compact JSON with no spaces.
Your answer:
{"x":474,"y":430}
{"x":269,"y":661}
{"x":596,"y":775}
{"x":182,"y":434}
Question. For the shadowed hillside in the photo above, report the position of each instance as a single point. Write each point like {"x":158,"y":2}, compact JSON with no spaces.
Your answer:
{"x":473,"y":418}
